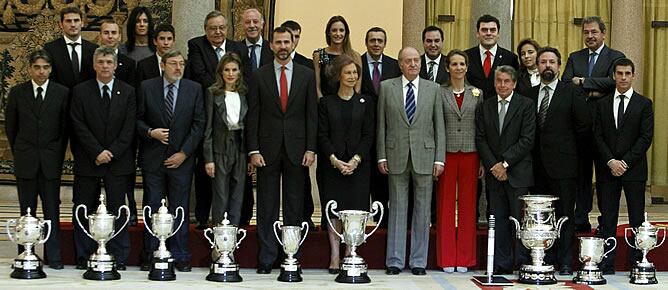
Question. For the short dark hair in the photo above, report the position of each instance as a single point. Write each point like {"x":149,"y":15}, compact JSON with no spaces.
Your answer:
{"x":526,"y":41}
{"x":213,"y":14}
{"x":39,"y":54}
{"x":164,"y":27}
{"x":487,"y":18}
{"x":282,"y":29}
{"x":132,"y":24}
{"x":292,"y":25}
{"x":624,"y":62}
{"x":374,"y":29}
{"x":507,"y":69}
{"x":594,"y":19}
{"x":69,"y":10}
{"x":431,"y":28}
{"x":170,"y":54}
{"x":334,"y":70}
{"x":549,"y":49}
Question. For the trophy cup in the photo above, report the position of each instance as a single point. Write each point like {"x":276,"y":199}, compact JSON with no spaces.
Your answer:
{"x":28,"y":231}
{"x":591,"y":253}
{"x":162,"y":222}
{"x":353,"y":268}
{"x":224,"y":268}
{"x":537,"y":233}
{"x":291,"y":241}
{"x":646,"y":235}
{"x":101,"y":265}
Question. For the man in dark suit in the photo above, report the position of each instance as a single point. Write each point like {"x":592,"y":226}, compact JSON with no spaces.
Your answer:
{"x":623,"y":131}
{"x":433,"y":61}
{"x":505,"y":128}
{"x":591,"y":69}
{"x":170,"y":123}
{"x":256,"y":50}
{"x":110,"y":36}
{"x":103,"y":113}
{"x":72,"y":56}
{"x":35,"y":124}
{"x":281,"y":140}
{"x":149,"y":67}
{"x":562,"y":119}
{"x":296,"y":30}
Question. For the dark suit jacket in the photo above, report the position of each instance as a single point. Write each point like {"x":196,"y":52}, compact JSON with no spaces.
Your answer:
{"x":333,"y":138}
{"x":567,"y":121}
{"x":37,"y":136}
{"x":442,"y":75}
{"x":389,"y":70}
{"x":62,"y":71}
{"x":266,"y":55}
{"x":125,"y":70}
{"x":300,"y":59}
{"x":95,"y":131}
{"x":185,"y":129}
{"x":220,"y":145}
{"x":476,"y":75}
{"x":147,"y":68}
{"x":630,"y":143}
{"x":267,"y":125}
{"x":515,"y":142}
{"x":523,"y":86}
{"x":601,"y":77}
{"x":202,"y":59}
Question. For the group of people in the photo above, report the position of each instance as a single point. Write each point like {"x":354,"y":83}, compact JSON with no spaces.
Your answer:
{"x":415,"y":133}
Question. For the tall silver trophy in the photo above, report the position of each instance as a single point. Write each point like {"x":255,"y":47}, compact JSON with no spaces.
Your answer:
{"x":162,"y":227}
{"x":538,"y":231}
{"x":591,"y":253}
{"x":291,"y":241}
{"x":101,"y":264}
{"x":224,"y":268}
{"x":646,"y":236}
{"x":28,"y":231}
{"x":353,"y":268}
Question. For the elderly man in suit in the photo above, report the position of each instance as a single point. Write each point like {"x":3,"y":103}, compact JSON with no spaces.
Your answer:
{"x":505,"y":128}
{"x":591,"y":69}
{"x":149,"y":67}
{"x":36,"y":124}
{"x":255,"y":49}
{"x":411,"y":147}
{"x":281,"y":140}
{"x":624,"y":128}
{"x":170,"y":123}
{"x":432,"y":61}
{"x":103,"y":113}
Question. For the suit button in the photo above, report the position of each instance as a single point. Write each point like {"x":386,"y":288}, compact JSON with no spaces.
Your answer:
{"x":459,"y":119}
{"x":459,"y":130}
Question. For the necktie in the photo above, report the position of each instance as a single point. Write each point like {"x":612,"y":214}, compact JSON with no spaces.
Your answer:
{"x":430,"y":72}
{"x":284,"y":90}
{"x":219,"y":53}
{"x":106,"y":99}
{"x":39,"y":97}
{"x":253,"y":56}
{"x":75,"y":58}
{"x":542,"y":112}
{"x":502,"y":114}
{"x":375,"y":78}
{"x":169,"y":102}
{"x":410,"y":103}
{"x":620,"y":112}
{"x":487,"y":65}
{"x":592,"y":62}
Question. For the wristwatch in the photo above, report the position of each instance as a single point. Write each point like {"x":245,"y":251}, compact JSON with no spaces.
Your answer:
{"x":505,"y":164}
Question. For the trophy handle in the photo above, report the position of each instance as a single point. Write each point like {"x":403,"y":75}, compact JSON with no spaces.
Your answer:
{"x":560,"y":224}
{"x":209,"y":230}
{"x":127,"y":219}
{"x":304,"y":226}
{"x":331,"y":206}
{"x":517,"y":226}
{"x":663,"y":239}
{"x":242,"y":237}
{"x":605,"y":255}
{"x":183,"y":215}
{"x":277,"y":224}
{"x":48,"y":233}
{"x":626,"y":237}
{"x":376,"y":207}
{"x":9,"y":233}
{"x":143,"y":213}
{"x":76,"y":215}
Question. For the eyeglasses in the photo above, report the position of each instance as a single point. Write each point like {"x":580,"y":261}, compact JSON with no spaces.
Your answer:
{"x":222,"y":28}
{"x":176,"y":63}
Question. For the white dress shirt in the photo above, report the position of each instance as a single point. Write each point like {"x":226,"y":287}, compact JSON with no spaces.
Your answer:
{"x":233,"y":108}
{"x":77,"y":48}
{"x":498,"y":102}
{"x":110,"y":85}
{"x":616,"y":100}
{"x":436,"y":61}
{"x":43,"y":86}
{"x":541,"y":95}
{"x":404,"y":86}
{"x":483,"y":55}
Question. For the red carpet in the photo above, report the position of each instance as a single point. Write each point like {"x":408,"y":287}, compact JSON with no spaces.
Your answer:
{"x":315,"y":251}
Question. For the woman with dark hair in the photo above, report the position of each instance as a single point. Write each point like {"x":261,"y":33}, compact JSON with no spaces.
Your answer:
{"x":456,"y":207}
{"x":224,"y":152}
{"x":337,"y":35}
{"x":528,"y":74}
{"x":139,"y":44}
{"x":345,"y":134}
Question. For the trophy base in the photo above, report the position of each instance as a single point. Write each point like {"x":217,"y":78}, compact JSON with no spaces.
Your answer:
{"x":290,"y":273}
{"x":27,"y":269}
{"x":643,"y":275}
{"x":492,"y":281}
{"x":101,"y":271}
{"x":162,"y":269}
{"x":224,"y":273}
{"x":537,"y":275}
{"x":353,"y":273}
{"x":589,"y":277}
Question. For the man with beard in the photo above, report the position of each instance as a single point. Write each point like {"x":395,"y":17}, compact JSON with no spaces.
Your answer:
{"x":562,"y":119}
{"x":281,"y":140}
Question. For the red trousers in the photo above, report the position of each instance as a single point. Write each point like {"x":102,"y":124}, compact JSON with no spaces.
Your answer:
{"x":456,"y":243}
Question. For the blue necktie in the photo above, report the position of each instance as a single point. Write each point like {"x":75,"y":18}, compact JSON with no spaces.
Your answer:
{"x":169,"y":102}
{"x":410,"y":103}
{"x":592,"y":62}
{"x":253,"y":57}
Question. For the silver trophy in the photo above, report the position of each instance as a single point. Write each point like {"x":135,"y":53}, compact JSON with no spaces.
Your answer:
{"x":291,"y":241}
{"x":28,"y":231}
{"x":646,"y":236}
{"x":224,"y":268}
{"x":162,"y":223}
{"x":538,"y":231}
{"x":591,"y":253}
{"x":353,"y":268}
{"x":102,"y":265}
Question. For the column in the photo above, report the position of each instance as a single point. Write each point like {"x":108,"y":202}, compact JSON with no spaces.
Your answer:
{"x":188,"y":21}
{"x":414,"y":22}
{"x":500,"y":9}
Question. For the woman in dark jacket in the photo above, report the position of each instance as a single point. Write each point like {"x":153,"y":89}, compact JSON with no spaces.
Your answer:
{"x":528,"y":75}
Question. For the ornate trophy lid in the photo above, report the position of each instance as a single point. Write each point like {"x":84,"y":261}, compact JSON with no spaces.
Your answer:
{"x":163,"y":209}
{"x":646,"y":225}
{"x":102,"y":209}
{"x":225,"y":223}
{"x":28,"y":218}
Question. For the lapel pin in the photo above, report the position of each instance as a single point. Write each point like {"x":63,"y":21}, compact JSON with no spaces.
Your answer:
{"x":118,"y":92}
{"x":362,"y":100}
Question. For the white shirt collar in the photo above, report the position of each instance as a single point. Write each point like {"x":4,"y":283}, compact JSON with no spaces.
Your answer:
{"x":288,"y":66}
{"x":43,"y":86}
{"x":628,"y":93}
{"x":498,"y":99}
{"x":552,"y":85}
{"x":437,"y":60}
{"x":68,"y":41}
{"x":222,"y":46}
{"x":248,"y":43}
{"x":404,"y":81}
{"x":370,"y":59}
{"x":598,"y":50}
{"x":492,"y":50}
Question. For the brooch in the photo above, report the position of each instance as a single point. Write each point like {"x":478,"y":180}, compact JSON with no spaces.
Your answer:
{"x":362,"y":100}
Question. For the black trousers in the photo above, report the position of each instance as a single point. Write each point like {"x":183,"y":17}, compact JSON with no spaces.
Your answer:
{"x":584,"y":191}
{"x":379,"y":187}
{"x":86,"y":192}
{"x":504,"y":202}
{"x":48,"y":191}
{"x":248,"y":202}
{"x":202,"y":188}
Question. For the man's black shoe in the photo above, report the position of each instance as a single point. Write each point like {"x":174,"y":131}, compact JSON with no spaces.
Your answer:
{"x":56,"y":265}
{"x":566,"y":271}
{"x":392,"y":271}
{"x":608,"y":271}
{"x":121,"y":267}
{"x":263,"y":269}
{"x":81,"y":266}
{"x":145,"y":267}
{"x":183,"y":266}
{"x":418,"y":271}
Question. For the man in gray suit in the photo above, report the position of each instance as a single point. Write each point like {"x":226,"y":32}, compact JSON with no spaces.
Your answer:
{"x":411,"y":146}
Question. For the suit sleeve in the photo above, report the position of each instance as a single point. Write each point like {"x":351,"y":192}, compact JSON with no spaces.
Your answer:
{"x":581,"y":114}
{"x":127,"y":134}
{"x":603,"y":84}
{"x":639,"y":148}
{"x":325,"y":145}
{"x":11,"y":117}
{"x":524,"y":144}
{"x":569,"y":72}
{"x":207,"y":146}
{"x":604,"y":152}
{"x":253,"y":115}
{"x":196,"y":66}
{"x":197,"y":126}
{"x":311,"y":115}
{"x":381,"y":126}
{"x":84,"y":136}
{"x":439,"y":127}
{"x":142,"y":127}
{"x":368,"y":131}
{"x":485,"y":152}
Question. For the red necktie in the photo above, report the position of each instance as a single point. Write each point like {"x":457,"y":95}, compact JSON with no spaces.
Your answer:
{"x":284,"y":90}
{"x":487,"y":65}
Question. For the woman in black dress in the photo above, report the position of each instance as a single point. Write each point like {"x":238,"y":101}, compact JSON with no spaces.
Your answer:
{"x":345,"y":134}
{"x":528,"y":74}
{"x":337,"y":35}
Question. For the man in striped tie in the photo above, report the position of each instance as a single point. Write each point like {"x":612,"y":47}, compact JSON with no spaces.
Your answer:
{"x":411,"y":146}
